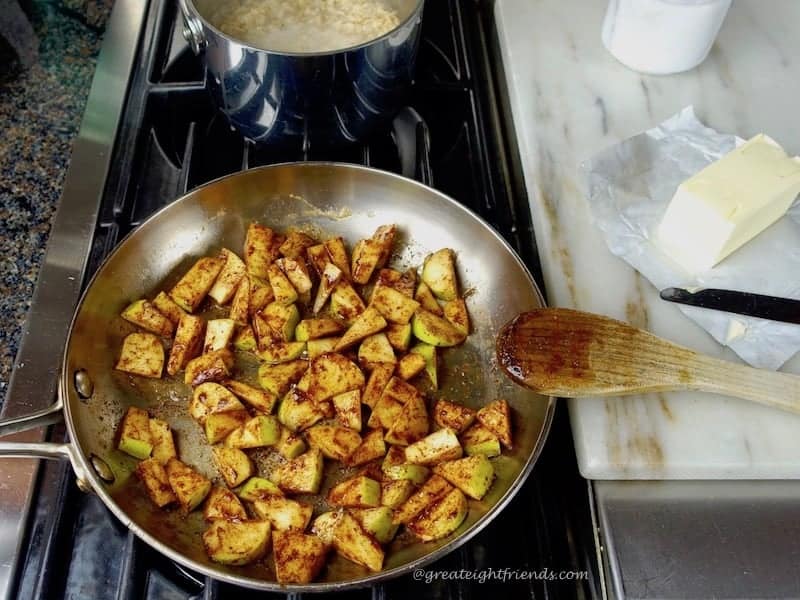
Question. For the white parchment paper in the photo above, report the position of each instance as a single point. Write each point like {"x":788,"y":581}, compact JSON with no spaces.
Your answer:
{"x":629,"y":188}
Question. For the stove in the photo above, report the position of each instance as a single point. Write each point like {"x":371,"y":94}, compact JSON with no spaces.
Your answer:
{"x":149,"y":135}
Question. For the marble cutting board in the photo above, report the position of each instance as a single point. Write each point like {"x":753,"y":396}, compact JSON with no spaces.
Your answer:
{"x":570,"y":99}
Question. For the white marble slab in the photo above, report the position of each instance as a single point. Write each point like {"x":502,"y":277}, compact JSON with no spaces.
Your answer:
{"x":570,"y":98}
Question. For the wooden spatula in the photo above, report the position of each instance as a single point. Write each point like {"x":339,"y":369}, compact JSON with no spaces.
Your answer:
{"x":568,"y":353}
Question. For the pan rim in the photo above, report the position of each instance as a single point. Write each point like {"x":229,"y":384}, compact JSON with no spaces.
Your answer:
{"x":272,"y":586}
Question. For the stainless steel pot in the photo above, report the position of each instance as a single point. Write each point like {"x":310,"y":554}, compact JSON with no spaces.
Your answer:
{"x":326,"y":99}
{"x":333,"y":199}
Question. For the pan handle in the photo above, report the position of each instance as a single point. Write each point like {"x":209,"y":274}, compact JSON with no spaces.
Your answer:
{"x":20,"y":449}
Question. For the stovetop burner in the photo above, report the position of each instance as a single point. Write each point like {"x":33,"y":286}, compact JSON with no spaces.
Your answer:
{"x":452,"y":135}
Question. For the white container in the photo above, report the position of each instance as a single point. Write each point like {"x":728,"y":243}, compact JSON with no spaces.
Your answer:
{"x":662,"y":36}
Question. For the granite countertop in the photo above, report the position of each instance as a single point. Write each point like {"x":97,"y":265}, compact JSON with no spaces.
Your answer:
{"x":41,"y":109}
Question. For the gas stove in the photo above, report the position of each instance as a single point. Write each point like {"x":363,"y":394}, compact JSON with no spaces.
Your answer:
{"x":150,"y":134}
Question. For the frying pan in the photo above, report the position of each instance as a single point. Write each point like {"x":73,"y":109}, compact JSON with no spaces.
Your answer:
{"x":324,"y":199}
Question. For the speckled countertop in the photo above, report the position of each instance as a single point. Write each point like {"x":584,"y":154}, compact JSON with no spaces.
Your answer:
{"x":40,"y":111}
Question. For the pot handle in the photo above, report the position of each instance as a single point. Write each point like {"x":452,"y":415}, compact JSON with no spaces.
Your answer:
{"x":41,"y":418}
{"x":192,"y":29}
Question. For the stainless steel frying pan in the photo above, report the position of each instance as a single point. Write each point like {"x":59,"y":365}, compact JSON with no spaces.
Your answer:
{"x":329,"y":199}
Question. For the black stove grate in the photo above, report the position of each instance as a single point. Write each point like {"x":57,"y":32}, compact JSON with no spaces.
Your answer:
{"x":453,"y":136}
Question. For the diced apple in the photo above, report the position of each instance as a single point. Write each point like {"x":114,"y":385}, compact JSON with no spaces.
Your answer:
{"x":385,"y":412}
{"x":367,"y":323}
{"x":229,"y":277}
{"x":134,"y":433}
{"x":472,"y":475}
{"x":399,"y":336}
{"x":437,"y":447}
{"x":439,"y":273}
{"x":193,"y":287}
{"x":496,"y":417}
{"x":330,"y":276}
{"x":219,"y":333}
{"x":393,"y":305}
{"x":148,"y":317}
{"x":385,"y":235}
{"x":258,"y":249}
{"x":284,"y":514}
{"x":245,"y":340}
{"x":352,"y":542}
{"x":357,"y":492}
{"x":291,"y":445}
{"x":338,"y":255}
{"x":256,"y":488}
{"x":331,"y":374}
{"x":282,"y":288}
{"x":281,"y":352}
{"x":455,"y":311}
{"x":348,"y":409}
{"x":219,"y":426}
{"x":301,"y":475}
{"x":377,"y":382}
{"x":154,"y":477}
{"x":346,"y":304}
{"x":479,"y":440}
{"x":375,"y":349}
{"x":455,"y":416}
{"x":325,"y":524}
{"x":441,"y":519}
{"x":261,"y":295}
{"x":187,"y":344}
{"x":223,"y":504}
{"x":236,"y":542}
{"x":334,"y":442}
{"x":209,"y":398}
{"x":299,"y":557}
{"x":312,"y":329}
{"x":395,"y":467}
{"x":366,"y":255}
{"x":319,"y":258}
{"x":240,"y":305}
{"x":213,"y":366}
{"x":282,"y":320}
{"x":233,"y":464}
{"x":260,"y":431}
{"x":396,"y":492}
{"x":434,"y":330}
{"x":261,"y":400}
{"x":410,"y":365}
{"x":432,"y":490}
{"x":372,"y":447}
{"x":297,"y":273}
{"x":163,"y":442}
{"x":141,"y":354}
{"x":277,"y":379}
{"x":316,"y":347}
{"x":429,"y":353}
{"x":411,"y":424}
{"x":167,"y":307}
{"x":377,"y":522}
{"x":297,"y":411}
{"x":427,"y":300}
{"x":190,"y":487}
{"x":296,"y":243}
{"x":405,"y":283}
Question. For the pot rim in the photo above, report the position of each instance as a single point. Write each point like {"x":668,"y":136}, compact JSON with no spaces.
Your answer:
{"x":206,"y":24}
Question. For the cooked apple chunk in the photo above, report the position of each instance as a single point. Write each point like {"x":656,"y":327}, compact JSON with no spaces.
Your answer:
{"x":240,"y":305}
{"x":193,"y":287}
{"x":187,"y":344}
{"x":431,"y":491}
{"x":375,"y":350}
{"x":213,"y":366}
{"x":430,"y":354}
{"x":472,"y":475}
{"x":346,"y":304}
{"x":455,"y":416}
{"x":405,"y":283}
{"x":393,"y":305}
{"x":319,"y":258}
{"x":367,"y":323}
{"x":291,"y":445}
{"x":141,"y":354}
{"x":298,"y":557}
{"x":219,"y":426}
{"x":396,"y":467}
{"x":167,"y":307}
{"x":154,"y":477}
{"x":297,"y":273}
{"x":434,"y":330}
{"x":385,"y":235}
{"x":229,"y":277}
{"x":352,"y":542}
{"x":439,"y":273}
{"x":209,"y":398}
{"x":357,"y":492}
{"x":496,"y":417}
{"x":479,"y":440}
{"x":284,"y":514}
{"x":411,"y":424}
{"x":163,"y":442}
{"x":282,"y":288}
{"x":410,"y":365}
{"x":399,"y":336}
{"x":134,"y":433}
{"x":394,"y":493}
{"x":372,"y":447}
{"x":301,"y":475}
{"x":258,"y":432}
{"x":385,"y":412}
{"x":378,"y":380}
{"x":277,"y":379}
{"x":441,"y":519}
{"x":295,"y":244}
{"x":437,"y":447}
{"x":236,"y":542}
{"x":377,"y":522}
{"x":325,"y":524}
{"x":223,"y":504}
{"x":261,"y":295}
{"x":189,"y":486}
{"x":259,"y":251}
{"x":219,"y":333}
{"x":334,"y":442}
{"x":297,"y":411}
{"x":281,"y":321}
{"x":338,"y":255}
{"x":331,"y":374}
{"x":427,"y":300}
{"x":312,"y":329}
{"x":348,"y":409}
{"x":455,"y":311}
{"x":366,"y":255}
{"x":256,"y":488}
{"x":147,"y":316}
{"x":330,"y":276}
{"x":233,"y":464}
{"x":261,"y":400}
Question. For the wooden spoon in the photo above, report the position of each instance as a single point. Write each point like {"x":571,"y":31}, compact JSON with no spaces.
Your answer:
{"x":569,"y":353}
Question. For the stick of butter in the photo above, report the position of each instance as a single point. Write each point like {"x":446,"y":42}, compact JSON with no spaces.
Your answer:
{"x":728,"y":203}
